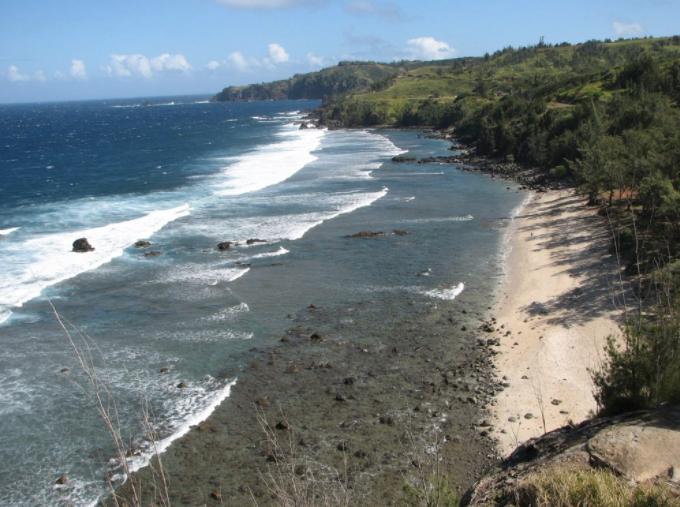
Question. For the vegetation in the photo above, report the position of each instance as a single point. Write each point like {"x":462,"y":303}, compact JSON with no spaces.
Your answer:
{"x":594,"y":488}
{"x":344,"y":77}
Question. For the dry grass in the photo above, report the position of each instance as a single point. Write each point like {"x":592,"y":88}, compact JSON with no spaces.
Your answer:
{"x":293,"y":479}
{"x":85,"y":350}
{"x":592,"y":488}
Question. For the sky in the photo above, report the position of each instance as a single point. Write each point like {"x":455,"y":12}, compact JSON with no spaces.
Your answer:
{"x":53,"y":50}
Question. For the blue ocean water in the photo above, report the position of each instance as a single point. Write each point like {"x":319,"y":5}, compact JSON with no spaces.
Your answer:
{"x":185,"y":174}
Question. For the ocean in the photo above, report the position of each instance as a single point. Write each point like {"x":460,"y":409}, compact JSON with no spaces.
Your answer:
{"x":168,"y":327}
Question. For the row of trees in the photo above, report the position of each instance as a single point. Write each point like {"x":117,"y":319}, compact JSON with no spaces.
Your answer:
{"x":621,"y":147}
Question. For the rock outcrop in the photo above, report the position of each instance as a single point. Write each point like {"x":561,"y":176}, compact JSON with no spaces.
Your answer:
{"x":81,"y":245}
{"x":640,"y":447}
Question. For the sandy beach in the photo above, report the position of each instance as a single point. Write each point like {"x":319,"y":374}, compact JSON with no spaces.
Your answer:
{"x":559,"y":302}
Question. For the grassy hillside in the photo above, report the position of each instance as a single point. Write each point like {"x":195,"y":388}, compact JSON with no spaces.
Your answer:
{"x":439,"y":93}
{"x":344,"y":77}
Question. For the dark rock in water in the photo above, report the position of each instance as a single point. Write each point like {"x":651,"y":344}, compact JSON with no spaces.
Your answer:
{"x":152,"y":254}
{"x":316,"y":337}
{"x":255,"y":240}
{"x":386,"y":419}
{"x":62,"y":480}
{"x":312,"y":307}
{"x":82,"y":245}
{"x":400,"y":232}
{"x":304,"y":126}
{"x":64,"y":370}
{"x":224,"y":245}
{"x":164,"y":369}
{"x":427,"y":272}
{"x":182,"y":385}
{"x":142,"y":243}
{"x":366,"y":234}
{"x":401,"y":158}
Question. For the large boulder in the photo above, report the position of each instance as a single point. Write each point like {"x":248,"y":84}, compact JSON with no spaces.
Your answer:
{"x":641,"y":448}
{"x":224,"y":245}
{"x":82,"y":245}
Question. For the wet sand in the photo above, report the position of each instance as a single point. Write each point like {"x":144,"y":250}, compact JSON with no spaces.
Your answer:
{"x":560,"y":300}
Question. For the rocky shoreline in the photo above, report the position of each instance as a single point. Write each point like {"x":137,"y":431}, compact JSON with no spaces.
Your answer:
{"x":366,"y":401}
{"x":343,"y":409}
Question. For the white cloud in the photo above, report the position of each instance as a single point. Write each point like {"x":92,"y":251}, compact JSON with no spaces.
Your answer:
{"x":39,"y":75}
{"x":78,"y":70}
{"x":213,"y":65}
{"x":130,"y":65}
{"x":263,"y":4}
{"x":13,"y":74}
{"x":168,"y":62}
{"x":627,"y":29}
{"x":277,"y":54}
{"x":314,"y":60}
{"x":429,"y":48}
{"x":238,"y":61}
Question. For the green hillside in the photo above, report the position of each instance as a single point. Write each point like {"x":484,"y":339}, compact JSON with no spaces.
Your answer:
{"x":344,"y":77}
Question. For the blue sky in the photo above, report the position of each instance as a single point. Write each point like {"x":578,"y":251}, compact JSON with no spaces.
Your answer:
{"x":84,"y":49}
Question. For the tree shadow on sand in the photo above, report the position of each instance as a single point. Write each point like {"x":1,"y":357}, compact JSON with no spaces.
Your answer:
{"x":579,"y":244}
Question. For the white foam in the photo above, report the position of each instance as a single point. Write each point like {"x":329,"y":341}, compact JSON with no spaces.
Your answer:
{"x":448,"y":294}
{"x":203,"y":274}
{"x":7,"y":232}
{"x":202,"y":102}
{"x":229,"y":313}
{"x":280,"y":251}
{"x":46,"y":260}
{"x":464,"y":218}
{"x":197,"y":416}
{"x":271,"y":164}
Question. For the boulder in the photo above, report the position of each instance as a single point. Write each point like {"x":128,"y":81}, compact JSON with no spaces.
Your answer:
{"x":82,"y":245}
{"x":640,"y":447}
{"x":366,"y":234}
{"x":142,"y":243}
{"x":224,"y":245}
{"x":402,"y":159}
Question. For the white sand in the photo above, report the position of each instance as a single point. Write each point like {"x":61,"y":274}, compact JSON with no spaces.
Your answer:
{"x":559,"y":301}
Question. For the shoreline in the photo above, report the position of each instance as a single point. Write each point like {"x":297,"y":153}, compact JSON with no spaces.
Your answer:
{"x":558,"y":303}
{"x":362,"y":390}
